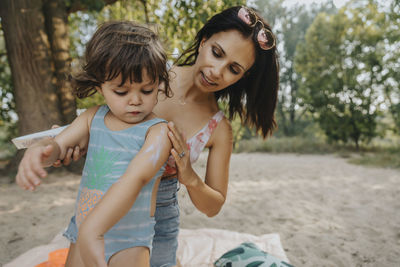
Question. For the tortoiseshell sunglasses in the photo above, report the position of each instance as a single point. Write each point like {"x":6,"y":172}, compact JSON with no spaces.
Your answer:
{"x":265,"y":38}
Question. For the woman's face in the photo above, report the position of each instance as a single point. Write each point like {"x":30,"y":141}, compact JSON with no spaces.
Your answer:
{"x":223,"y":59}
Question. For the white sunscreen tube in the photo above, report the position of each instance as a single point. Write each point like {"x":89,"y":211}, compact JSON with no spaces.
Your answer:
{"x":27,"y":140}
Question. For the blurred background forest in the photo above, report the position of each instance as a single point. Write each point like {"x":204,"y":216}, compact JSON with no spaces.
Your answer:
{"x":340,"y":69}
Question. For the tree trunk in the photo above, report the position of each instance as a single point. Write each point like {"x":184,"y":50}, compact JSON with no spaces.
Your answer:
{"x":30,"y":61}
{"x":280,"y":108}
{"x":56,"y":20}
{"x":37,"y":42}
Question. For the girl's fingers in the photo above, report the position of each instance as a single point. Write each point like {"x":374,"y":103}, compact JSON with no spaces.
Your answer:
{"x":22,"y":182}
{"x":55,"y":126}
{"x":68,"y":156}
{"x":37,"y":171}
{"x":32,"y":173}
{"x":24,"y":178}
{"x":76,"y":153}
{"x":57,"y":163}
{"x":32,"y":180}
{"x":19,"y":179}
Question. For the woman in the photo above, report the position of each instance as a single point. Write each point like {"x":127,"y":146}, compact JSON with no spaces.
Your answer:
{"x":233,"y":58}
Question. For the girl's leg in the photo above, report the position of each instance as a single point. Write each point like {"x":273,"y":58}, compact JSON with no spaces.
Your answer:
{"x":136,"y":256}
{"x":73,"y":258}
{"x":165,"y":242}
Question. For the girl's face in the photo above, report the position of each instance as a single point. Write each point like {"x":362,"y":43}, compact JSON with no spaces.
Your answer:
{"x":130,"y":102}
{"x":223,"y":59}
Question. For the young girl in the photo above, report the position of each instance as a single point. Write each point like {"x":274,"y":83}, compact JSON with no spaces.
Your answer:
{"x":127,"y":147}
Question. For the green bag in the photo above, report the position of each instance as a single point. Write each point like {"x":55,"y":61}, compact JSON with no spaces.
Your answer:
{"x":249,"y":255}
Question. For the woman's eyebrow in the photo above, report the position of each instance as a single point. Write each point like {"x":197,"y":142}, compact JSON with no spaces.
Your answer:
{"x":223,"y":52}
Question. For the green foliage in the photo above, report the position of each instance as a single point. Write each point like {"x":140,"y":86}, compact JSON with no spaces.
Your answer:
{"x":7,"y":103}
{"x":391,"y":60}
{"x":93,"y":100}
{"x":290,"y":25}
{"x":7,"y":149}
{"x":176,"y":22}
{"x":342,"y":69}
{"x":182,"y":19}
{"x":91,"y":5}
{"x":387,"y":158}
{"x":293,"y":144}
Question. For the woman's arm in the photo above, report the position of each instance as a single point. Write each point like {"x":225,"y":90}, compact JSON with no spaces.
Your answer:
{"x":45,"y":152}
{"x":122,"y":194}
{"x":209,"y":195}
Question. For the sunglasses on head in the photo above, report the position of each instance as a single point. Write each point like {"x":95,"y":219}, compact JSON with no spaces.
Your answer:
{"x":265,"y":37}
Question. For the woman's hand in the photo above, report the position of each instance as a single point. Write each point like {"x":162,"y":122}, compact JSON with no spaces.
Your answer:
{"x":73,"y":154}
{"x":181,"y":155}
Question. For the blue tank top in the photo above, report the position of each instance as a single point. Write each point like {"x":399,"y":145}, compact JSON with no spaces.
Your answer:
{"x":109,"y":154}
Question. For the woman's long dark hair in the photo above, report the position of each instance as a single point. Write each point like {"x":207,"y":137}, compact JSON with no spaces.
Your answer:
{"x":121,"y":47}
{"x":254,"y":96}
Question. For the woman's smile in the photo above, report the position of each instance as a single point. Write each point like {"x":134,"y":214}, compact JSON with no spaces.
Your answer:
{"x":206,"y":81}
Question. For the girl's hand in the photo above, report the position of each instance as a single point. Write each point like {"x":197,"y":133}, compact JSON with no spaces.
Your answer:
{"x":72,"y":154}
{"x":31,"y":168}
{"x":91,"y":250}
{"x":181,"y":155}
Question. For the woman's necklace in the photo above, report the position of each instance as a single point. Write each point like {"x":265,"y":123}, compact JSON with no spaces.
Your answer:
{"x":182,"y":100}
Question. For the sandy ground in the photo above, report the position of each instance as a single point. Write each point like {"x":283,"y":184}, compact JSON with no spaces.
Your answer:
{"x":327,"y":212}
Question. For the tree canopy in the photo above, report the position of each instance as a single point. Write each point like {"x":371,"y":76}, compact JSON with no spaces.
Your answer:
{"x":343,"y":66}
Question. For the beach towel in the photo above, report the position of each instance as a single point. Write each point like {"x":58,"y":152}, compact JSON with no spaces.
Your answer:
{"x":197,"y":247}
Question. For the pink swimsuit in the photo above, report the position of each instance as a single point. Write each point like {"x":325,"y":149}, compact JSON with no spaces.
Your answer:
{"x":196,"y":143}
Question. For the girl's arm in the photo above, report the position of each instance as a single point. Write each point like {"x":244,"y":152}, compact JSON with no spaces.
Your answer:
{"x":122,"y":194}
{"x":77,"y":134}
{"x":209,"y":195}
{"x":45,"y":152}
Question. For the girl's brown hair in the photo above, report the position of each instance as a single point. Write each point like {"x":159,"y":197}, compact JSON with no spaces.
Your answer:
{"x":121,"y":48}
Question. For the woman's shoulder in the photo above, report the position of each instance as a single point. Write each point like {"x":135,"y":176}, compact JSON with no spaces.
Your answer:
{"x":222,"y":133}
{"x":225,"y":125}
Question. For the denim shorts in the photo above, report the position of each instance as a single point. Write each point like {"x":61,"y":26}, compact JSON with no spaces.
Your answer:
{"x":165,"y":242}
{"x":72,"y":231}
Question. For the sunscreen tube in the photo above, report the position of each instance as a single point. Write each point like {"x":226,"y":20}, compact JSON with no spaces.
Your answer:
{"x":27,"y":140}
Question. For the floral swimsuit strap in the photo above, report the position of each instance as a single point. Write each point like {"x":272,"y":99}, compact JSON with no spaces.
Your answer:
{"x":197,"y":143}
